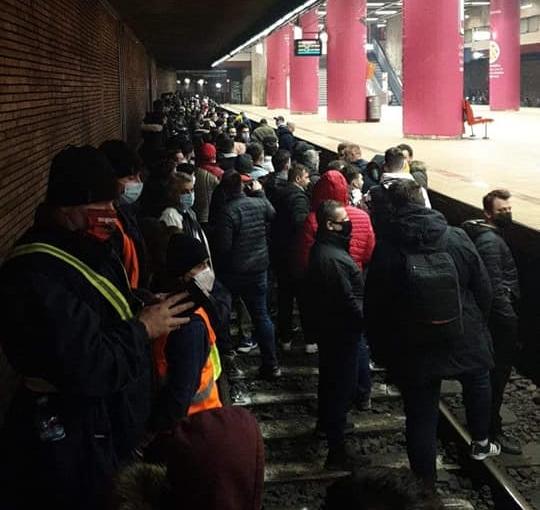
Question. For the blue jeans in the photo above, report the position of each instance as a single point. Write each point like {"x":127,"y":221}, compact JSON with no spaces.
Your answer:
{"x":253,"y":289}
{"x":421,"y":403}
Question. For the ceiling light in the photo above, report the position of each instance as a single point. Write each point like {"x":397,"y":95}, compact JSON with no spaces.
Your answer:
{"x":372,"y":19}
{"x":526,"y":6}
{"x":477,"y":3}
{"x":267,"y":30}
{"x":477,"y":54}
{"x":178,"y":82}
{"x":375,"y":4}
{"x":187,"y":81}
{"x":218,"y":86}
{"x":369,"y":46}
{"x":381,"y":25}
{"x":321,"y":13}
{"x":200,"y":82}
{"x":385,"y":12}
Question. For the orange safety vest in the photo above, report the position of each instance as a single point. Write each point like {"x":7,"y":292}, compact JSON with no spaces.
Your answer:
{"x":207,"y":395}
{"x":129,"y":257}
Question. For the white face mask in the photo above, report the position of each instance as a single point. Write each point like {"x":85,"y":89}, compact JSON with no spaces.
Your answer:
{"x":356,"y":196}
{"x":205,"y":280}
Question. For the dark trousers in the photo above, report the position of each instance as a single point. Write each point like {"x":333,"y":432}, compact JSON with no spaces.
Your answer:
{"x":307,"y":318}
{"x":338,"y":383}
{"x":253,"y":289}
{"x":287,"y":289}
{"x":421,"y":403}
{"x":363,"y":390}
{"x":291,"y":287}
{"x":504,"y":335}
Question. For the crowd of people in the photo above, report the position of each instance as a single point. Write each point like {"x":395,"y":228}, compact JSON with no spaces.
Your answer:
{"x":118,"y":303}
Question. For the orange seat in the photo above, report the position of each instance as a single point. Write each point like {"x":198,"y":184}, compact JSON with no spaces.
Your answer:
{"x":471,"y":120}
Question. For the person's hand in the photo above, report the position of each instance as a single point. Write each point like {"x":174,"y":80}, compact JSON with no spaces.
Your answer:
{"x":160,"y":319}
{"x":256,"y":186}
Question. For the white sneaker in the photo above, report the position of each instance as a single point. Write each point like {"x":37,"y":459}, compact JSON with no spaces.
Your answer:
{"x":481,"y":452}
{"x":286,"y":346}
{"x":312,"y":348}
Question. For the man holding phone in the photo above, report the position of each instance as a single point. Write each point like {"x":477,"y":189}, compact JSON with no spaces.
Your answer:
{"x":81,"y":342}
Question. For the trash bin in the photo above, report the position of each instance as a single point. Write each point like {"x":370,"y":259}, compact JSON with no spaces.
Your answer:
{"x":373,"y":108}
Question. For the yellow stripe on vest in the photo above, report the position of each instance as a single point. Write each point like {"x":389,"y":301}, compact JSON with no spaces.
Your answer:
{"x":106,"y":288}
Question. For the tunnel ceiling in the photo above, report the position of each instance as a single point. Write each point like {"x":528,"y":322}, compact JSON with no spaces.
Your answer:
{"x":191,"y":34}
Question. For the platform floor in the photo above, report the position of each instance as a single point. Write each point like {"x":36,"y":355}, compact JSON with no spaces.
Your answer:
{"x":465,"y":169}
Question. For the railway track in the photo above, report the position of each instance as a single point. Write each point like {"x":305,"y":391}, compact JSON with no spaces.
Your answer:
{"x":295,"y":477}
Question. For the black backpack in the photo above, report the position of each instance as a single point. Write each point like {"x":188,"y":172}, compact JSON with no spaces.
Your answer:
{"x":431,"y":297}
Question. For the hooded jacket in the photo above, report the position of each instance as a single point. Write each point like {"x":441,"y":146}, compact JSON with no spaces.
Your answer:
{"x":333,"y":186}
{"x":500,"y":264}
{"x":416,"y":229}
{"x":214,"y":461}
{"x":286,"y":138}
{"x":207,"y":160}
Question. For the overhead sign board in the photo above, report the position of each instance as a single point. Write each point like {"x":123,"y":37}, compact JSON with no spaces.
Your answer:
{"x":307,"y":47}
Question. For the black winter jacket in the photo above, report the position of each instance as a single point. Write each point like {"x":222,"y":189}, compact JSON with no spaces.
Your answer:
{"x":286,"y":138}
{"x":416,"y":228}
{"x":292,"y":207}
{"x":58,"y":327}
{"x":240,"y":237}
{"x":336,"y":287}
{"x":501,"y":267}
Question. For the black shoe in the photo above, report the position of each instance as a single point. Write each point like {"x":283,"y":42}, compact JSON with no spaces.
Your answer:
{"x":481,"y":452}
{"x":321,"y":433}
{"x":340,"y":459}
{"x":269,"y":373}
{"x":508,"y":444}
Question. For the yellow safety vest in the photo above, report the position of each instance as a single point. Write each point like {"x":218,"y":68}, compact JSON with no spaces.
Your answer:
{"x":106,"y":288}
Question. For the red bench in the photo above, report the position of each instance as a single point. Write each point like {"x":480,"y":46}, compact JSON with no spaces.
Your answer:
{"x":471,"y":120}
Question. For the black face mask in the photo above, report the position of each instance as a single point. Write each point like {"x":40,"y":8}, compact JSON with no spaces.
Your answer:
{"x":346,"y":229}
{"x":503,"y":220}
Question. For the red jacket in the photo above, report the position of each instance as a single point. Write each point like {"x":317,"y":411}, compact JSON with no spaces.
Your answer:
{"x":333,"y":186}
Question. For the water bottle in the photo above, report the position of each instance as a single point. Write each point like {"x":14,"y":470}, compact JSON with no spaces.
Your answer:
{"x":49,"y":424}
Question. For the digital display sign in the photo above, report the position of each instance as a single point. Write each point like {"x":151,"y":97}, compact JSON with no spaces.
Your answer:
{"x":307,"y":47}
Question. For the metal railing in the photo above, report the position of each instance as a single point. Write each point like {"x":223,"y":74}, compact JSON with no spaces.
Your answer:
{"x":394,"y":81}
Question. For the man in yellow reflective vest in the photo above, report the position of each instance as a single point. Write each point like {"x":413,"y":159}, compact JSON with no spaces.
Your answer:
{"x":187,"y":361}
{"x":80,"y":341}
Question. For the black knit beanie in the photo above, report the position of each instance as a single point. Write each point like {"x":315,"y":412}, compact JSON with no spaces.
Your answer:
{"x":124,"y":160}
{"x":79,"y":176}
{"x":184,"y":252}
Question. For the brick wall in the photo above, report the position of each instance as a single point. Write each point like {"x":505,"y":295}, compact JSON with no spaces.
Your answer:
{"x":61,"y":64}
{"x":136,"y":66}
{"x":166,"y":80}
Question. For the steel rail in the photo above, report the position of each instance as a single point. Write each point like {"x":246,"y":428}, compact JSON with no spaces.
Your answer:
{"x":517,"y":500}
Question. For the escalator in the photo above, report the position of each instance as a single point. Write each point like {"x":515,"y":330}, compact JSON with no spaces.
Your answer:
{"x":378,"y":57}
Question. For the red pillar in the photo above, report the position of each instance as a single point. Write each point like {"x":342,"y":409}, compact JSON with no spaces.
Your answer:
{"x":304,"y":71}
{"x":346,"y":59}
{"x":277,"y":61}
{"x":504,"y":55}
{"x":432,"y":68}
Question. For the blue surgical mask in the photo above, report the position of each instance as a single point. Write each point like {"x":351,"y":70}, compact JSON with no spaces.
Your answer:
{"x":132,"y":192}
{"x":187,"y":200}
